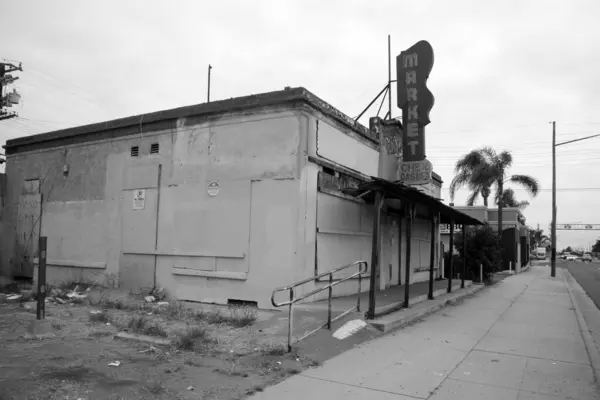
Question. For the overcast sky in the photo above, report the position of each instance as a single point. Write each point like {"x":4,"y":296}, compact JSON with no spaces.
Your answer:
{"x":502,"y":71}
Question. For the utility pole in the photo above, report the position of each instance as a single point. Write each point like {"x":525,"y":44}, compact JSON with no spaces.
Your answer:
{"x":390,"y":75}
{"x":11,"y":98}
{"x":554,"y":146}
{"x":553,"y":251}
{"x":208,"y":96}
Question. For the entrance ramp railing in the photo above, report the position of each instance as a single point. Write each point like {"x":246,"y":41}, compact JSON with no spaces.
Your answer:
{"x":362,"y":269}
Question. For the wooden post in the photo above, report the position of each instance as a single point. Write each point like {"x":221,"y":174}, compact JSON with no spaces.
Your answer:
{"x":432,"y":255}
{"x":375,"y":253}
{"x":451,"y":252}
{"x":464,"y":266}
{"x":400,"y":251}
{"x":41,"y":291}
{"x":409,"y":225}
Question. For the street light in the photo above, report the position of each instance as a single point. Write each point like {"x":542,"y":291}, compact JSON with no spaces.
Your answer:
{"x":554,"y":146}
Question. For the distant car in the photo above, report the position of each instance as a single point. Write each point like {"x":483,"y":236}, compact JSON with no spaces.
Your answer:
{"x":587,"y":258}
{"x":571,"y":257}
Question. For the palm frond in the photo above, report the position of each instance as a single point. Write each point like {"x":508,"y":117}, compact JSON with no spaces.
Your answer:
{"x":485,"y":175}
{"x":505,"y":160}
{"x":528,"y":182}
{"x":473,"y":197}
{"x":469,"y":161}
{"x":462,"y":178}
{"x":490,"y":153}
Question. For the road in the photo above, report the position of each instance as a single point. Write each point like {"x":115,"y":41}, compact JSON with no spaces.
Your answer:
{"x":587,"y":275}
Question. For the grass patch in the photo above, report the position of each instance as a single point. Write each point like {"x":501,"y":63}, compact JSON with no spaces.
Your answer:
{"x":187,"y":338}
{"x":274,"y":349}
{"x":192,"y":363}
{"x":100,"y":317}
{"x":155,"y":387}
{"x":143,"y":325}
{"x":57,"y":325}
{"x":174,"y":310}
{"x":118,"y":304}
{"x":255,"y":389}
{"x":237,"y":317}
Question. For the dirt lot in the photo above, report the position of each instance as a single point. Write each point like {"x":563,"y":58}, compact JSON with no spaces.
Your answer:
{"x":215,"y":353}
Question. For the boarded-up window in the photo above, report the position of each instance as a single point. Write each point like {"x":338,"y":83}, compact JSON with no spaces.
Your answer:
{"x":31,"y":186}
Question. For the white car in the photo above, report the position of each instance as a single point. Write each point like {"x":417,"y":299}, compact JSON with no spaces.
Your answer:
{"x":571,"y":258}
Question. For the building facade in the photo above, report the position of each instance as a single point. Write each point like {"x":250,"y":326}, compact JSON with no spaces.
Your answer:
{"x":220,"y":202}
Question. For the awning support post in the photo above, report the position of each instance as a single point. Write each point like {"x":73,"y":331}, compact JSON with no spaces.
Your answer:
{"x":432,"y":255}
{"x":400,"y":250}
{"x":375,"y":252}
{"x":464,"y":266}
{"x":409,"y":226}
{"x":451,"y":252}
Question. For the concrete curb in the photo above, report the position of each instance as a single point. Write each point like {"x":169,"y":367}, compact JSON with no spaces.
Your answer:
{"x":404,"y":317}
{"x":382,"y":311}
{"x":590,"y":344}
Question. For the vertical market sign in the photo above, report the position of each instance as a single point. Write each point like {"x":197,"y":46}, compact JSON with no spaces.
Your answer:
{"x":416,"y":101}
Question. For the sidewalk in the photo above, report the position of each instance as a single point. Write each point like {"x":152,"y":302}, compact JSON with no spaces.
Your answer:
{"x":519,"y":339}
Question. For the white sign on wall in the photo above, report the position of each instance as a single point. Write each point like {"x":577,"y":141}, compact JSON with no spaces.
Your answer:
{"x":213,"y":188}
{"x":139,"y":199}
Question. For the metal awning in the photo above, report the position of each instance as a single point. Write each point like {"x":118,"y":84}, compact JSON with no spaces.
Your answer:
{"x":399,"y":191}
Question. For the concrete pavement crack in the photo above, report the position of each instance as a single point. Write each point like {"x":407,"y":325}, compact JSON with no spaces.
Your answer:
{"x":532,"y":357}
{"x":363,"y":387}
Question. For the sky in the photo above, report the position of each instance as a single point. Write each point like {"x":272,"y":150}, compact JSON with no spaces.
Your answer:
{"x":502,"y":72}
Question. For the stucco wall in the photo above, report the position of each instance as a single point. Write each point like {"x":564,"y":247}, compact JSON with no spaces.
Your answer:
{"x":3,"y":271}
{"x":343,"y":230}
{"x":250,"y":227}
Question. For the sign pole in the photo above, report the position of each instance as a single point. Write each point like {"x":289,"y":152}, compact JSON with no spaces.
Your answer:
{"x":390,"y":75}
{"x":553,"y":254}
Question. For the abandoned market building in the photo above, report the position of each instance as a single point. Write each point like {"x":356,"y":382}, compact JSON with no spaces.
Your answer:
{"x":218,"y":202}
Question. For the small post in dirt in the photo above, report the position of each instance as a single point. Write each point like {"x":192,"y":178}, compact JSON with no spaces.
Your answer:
{"x":41,"y":289}
{"x":480,"y":273}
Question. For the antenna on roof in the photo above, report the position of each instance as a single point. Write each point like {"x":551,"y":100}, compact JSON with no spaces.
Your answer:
{"x":208,"y":95}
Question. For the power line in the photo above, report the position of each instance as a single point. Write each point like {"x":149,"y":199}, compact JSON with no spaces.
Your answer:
{"x":581,"y":189}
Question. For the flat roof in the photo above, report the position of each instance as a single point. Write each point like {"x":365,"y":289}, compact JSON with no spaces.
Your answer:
{"x":129,"y":125}
{"x":288,"y":95}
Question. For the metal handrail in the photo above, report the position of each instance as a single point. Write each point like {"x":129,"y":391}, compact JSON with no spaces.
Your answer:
{"x":362,"y":269}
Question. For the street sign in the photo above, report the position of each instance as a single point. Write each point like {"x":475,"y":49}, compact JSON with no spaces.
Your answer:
{"x":578,"y":227}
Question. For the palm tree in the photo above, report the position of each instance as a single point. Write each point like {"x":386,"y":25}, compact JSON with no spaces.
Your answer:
{"x":537,"y":237}
{"x":509,"y":200}
{"x":483,"y":169}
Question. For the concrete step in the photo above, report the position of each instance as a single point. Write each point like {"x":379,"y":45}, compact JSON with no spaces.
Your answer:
{"x":384,"y":310}
{"x":418,"y":310}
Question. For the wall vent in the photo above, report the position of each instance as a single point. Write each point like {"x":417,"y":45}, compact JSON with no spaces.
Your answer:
{"x":135,"y":151}
{"x":154,"y":148}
